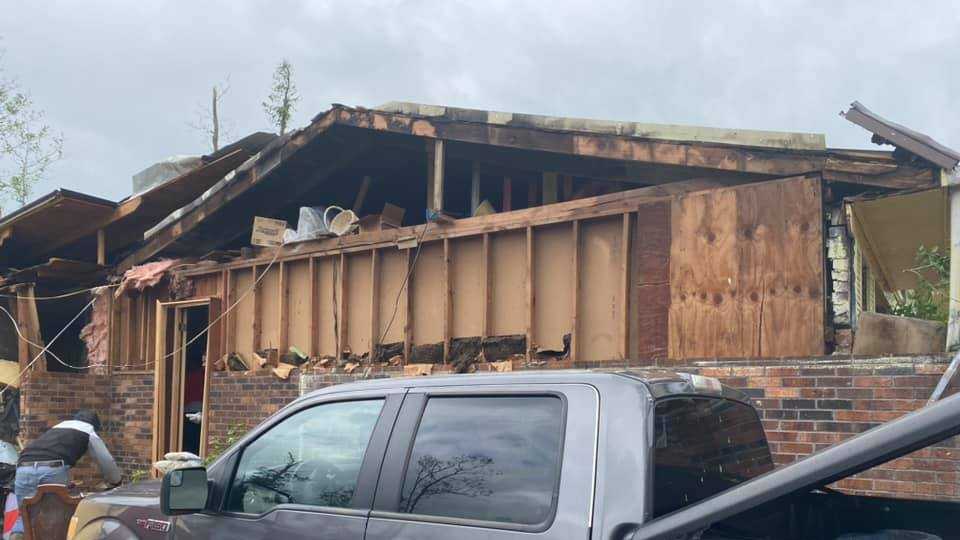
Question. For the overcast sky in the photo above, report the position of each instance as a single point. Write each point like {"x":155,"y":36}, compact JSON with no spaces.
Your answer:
{"x":122,"y":80}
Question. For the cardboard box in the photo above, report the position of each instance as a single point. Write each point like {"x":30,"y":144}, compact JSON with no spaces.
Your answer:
{"x":267,"y":232}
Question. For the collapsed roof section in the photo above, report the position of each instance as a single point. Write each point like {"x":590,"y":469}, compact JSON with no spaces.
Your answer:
{"x":66,"y":225}
{"x":324,"y":163}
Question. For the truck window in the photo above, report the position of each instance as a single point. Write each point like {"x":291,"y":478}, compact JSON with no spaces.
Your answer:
{"x":486,"y":458}
{"x":312,"y":457}
{"x":703,"y":446}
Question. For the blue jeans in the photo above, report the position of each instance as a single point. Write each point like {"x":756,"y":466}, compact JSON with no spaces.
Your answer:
{"x":31,"y":476}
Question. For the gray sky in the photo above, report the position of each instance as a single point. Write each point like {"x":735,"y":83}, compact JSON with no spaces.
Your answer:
{"x":122,"y":80}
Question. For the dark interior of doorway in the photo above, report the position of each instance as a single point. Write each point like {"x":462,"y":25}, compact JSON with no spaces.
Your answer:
{"x":197,"y":319}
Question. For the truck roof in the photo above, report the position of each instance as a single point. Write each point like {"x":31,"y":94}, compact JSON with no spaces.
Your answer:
{"x":660,"y":382}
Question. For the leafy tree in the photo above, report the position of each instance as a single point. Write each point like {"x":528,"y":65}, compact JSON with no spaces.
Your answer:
{"x":28,"y":146}
{"x":283,"y":97}
{"x":931,"y":298}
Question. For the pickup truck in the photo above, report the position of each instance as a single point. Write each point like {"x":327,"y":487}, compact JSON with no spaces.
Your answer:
{"x":634,"y":455}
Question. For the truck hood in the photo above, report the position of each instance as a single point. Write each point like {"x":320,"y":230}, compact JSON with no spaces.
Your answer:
{"x":131,"y":511}
{"x":879,"y":445}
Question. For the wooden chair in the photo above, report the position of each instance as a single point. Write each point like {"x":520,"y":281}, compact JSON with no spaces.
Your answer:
{"x":46,"y":515}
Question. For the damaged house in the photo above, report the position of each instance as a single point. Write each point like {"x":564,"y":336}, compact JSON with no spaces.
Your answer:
{"x":430,"y":239}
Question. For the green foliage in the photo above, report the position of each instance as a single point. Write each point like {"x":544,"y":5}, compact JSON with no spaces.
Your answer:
{"x":28,"y":146}
{"x":138,"y":475}
{"x":220,"y":445}
{"x":930,"y":300}
{"x":283,"y":97}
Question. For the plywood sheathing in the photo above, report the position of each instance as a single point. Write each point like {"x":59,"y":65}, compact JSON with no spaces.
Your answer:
{"x":728,"y":272}
{"x":746,"y":271}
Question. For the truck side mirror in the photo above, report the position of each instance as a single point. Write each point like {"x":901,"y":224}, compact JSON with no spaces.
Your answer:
{"x":184,"y":491}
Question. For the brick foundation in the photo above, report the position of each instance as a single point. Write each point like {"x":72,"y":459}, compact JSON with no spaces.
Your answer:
{"x":806,"y":405}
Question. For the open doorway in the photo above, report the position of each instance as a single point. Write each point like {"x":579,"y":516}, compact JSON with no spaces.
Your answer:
{"x":188,"y":344}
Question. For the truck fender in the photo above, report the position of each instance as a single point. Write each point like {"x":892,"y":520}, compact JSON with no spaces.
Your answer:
{"x":106,"y":529}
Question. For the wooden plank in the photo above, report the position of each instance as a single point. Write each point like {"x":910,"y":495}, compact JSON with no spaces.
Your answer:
{"x":883,"y":335}
{"x":508,"y":282}
{"x":466,"y":277}
{"x":101,"y":247}
{"x":447,"y":300}
{"x":214,"y":309}
{"x":341,"y":315}
{"x":314,"y":307}
{"x":704,"y":269}
{"x":159,"y":386}
{"x":361,"y":194}
{"x":298,"y":306}
{"x":485,"y":264}
{"x":435,"y":166}
{"x":474,"y":187}
{"x":575,"y":291}
{"x":374,"y":302}
{"x":650,"y":303}
{"x":530,"y":304}
{"x":625,"y":257}
{"x":144,"y":329}
{"x":257,"y":309}
{"x":229,"y":328}
{"x":407,"y":297}
{"x":283,"y":291}
{"x":23,"y":322}
{"x":800,"y":329}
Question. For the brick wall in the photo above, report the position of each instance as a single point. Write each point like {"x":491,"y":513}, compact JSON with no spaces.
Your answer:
{"x":806,"y":405}
{"x":809,"y":405}
{"x":129,"y":428}
{"x":47,"y":399}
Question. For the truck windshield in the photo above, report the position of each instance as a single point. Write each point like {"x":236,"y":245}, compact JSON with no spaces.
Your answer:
{"x":703,"y":446}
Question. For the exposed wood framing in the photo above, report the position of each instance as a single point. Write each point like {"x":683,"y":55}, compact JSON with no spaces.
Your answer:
{"x":257,"y":308}
{"x":101,"y":247}
{"x":485,"y":283}
{"x":361,"y":194}
{"x":407,"y":298}
{"x":447,"y":300}
{"x":567,"y":187}
{"x":374,"y":302}
{"x":623,"y":333}
{"x":531,"y":295}
{"x":341,"y":315}
{"x":283,"y":286}
{"x":314,"y":307}
{"x":435,"y":166}
{"x":474,"y":187}
{"x":575,"y":291}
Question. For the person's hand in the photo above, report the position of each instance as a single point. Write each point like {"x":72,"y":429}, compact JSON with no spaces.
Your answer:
{"x":196,"y":417}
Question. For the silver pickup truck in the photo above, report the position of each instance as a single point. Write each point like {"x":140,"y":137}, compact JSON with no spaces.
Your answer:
{"x":564,"y":455}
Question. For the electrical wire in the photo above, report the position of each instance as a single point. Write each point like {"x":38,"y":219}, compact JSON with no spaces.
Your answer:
{"x":60,"y":296}
{"x":16,"y":328}
{"x":256,"y":282}
{"x":403,"y":285}
{"x":51,"y":342}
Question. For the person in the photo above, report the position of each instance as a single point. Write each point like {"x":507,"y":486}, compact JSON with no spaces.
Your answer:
{"x":48,"y":459}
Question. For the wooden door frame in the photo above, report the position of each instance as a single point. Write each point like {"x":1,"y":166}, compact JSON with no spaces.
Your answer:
{"x":160,"y":423}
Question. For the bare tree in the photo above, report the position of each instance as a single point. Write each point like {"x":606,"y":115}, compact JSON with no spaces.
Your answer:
{"x":28,"y":146}
{"x":209,"y":121}
{"x":283,"y":97}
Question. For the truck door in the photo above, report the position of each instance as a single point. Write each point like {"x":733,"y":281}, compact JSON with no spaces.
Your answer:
{"x":488,"y":462}
{"x":310,"y":474}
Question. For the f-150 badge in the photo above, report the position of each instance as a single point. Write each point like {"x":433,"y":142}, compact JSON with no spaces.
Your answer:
{"x":154,"y":525}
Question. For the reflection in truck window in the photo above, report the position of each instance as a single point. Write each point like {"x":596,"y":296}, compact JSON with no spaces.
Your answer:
{"x":703,"y":446}
{"x":486,"y":458}
{"x":313,"y":457}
